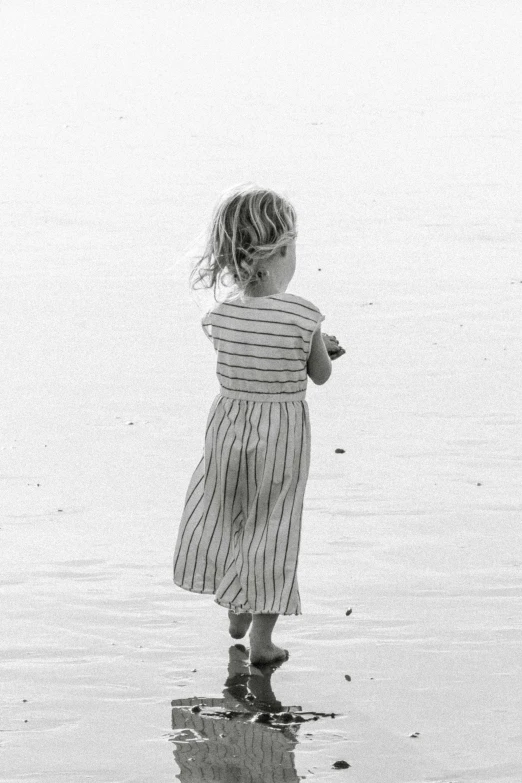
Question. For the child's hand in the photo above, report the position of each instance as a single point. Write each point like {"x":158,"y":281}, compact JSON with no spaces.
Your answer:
{"x":333,"y":348}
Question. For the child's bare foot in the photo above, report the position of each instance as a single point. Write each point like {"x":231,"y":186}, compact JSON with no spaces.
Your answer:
{"x":261,"y":654}
{"x":262,"y":649}
{"x":239,"y":624}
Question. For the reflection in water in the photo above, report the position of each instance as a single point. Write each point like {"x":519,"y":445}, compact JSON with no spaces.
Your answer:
{"x":234,"y":738}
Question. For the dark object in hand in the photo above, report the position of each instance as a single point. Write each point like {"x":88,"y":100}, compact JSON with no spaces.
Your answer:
{"x":333,"y":348}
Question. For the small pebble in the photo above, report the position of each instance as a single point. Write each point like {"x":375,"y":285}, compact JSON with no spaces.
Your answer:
{"x":347,"y":678}
{"x":196,"y":708}
{"x":340,"y":451}
{"x":340,"y":765}
{"x":415,"y":735}
{"x":130,"y":422}
{"x":479,"y":483}
{"x":349,"y":611}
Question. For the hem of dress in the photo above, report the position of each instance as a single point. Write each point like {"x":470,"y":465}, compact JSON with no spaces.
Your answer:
{"x":241,"y":610}
{"x":233,"y":607}
{"x":203,"y":591}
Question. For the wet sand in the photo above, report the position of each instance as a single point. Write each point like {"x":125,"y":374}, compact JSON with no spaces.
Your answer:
{"x":395,"y":131}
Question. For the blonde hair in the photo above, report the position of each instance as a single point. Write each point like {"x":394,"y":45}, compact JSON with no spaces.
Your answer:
{"x":249,"y":225}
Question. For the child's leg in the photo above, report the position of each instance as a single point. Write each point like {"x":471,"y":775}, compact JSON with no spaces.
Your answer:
{"x":239,"y":624}
{"x":262,"y":649}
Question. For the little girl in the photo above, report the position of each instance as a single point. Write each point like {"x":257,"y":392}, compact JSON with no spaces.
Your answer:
{"x":241,"y":525}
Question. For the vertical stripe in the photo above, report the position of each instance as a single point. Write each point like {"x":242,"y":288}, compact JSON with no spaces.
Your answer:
{"x":209,"y":466}
{"x":224,"y":476}
{"x":230,"y":530}
{"x":217,"y":454}
{"x":188,"y":505}
{"x":292,"y":512}
{"x":269,"y":466}
{"x":284,"y":497}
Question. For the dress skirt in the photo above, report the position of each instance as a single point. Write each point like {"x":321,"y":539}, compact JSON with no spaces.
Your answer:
{"x":241,"y":526}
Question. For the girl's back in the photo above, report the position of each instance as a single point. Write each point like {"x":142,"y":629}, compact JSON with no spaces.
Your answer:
{"x":263,"y":345}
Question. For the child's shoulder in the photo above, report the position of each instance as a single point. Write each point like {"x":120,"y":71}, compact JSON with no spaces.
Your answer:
{"x":307,"y":313}
{"x":299,"y":301}
{"x":288,"y":305}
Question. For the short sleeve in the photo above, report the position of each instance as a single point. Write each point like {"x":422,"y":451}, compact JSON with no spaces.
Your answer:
{"x":309,"y":317}
{"x":319,"y":318}
{"x":314,"y":316}
{"x":206,"y":323}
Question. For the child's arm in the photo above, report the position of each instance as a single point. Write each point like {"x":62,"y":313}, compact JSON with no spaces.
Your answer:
{"x":324,"y":350}
{"x":319,"y":366}
{"x":333,"y":349}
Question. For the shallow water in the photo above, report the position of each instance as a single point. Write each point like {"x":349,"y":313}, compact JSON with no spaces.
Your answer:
{"x":395,"y":130}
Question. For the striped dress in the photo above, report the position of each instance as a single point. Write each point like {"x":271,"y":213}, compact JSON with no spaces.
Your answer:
{"x":241,"y":525}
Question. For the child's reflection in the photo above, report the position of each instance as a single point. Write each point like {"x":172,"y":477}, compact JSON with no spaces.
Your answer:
{"x":223,"y":740}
